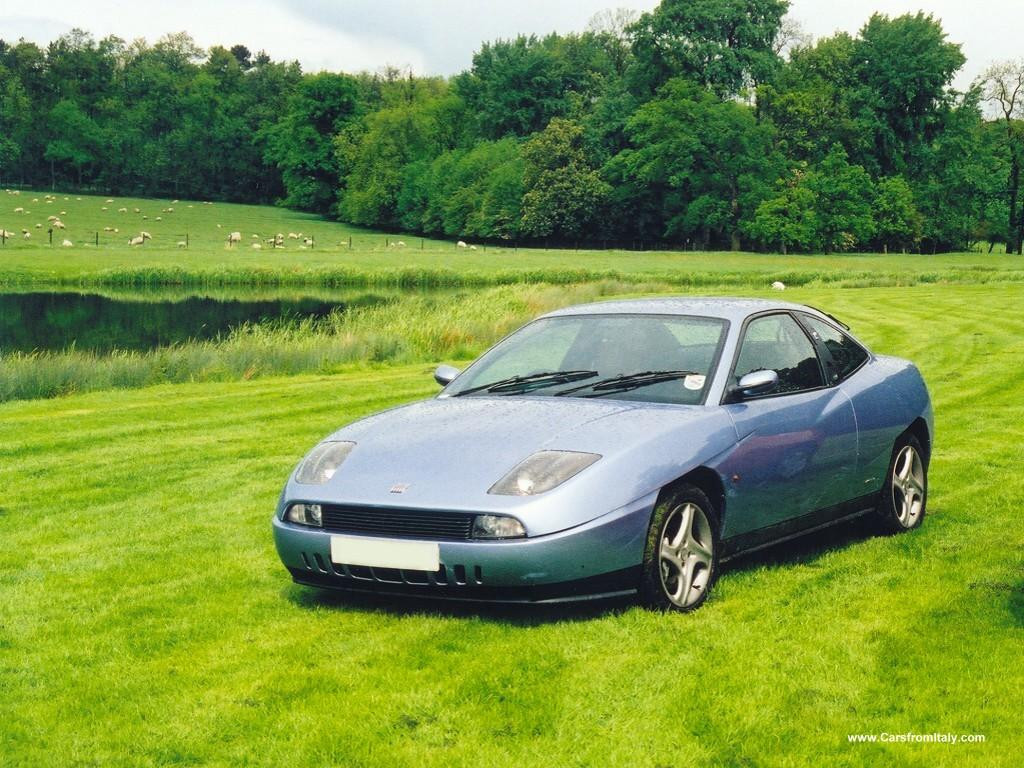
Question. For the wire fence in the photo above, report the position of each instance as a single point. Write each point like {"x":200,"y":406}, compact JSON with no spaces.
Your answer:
{"x":114,"y":237}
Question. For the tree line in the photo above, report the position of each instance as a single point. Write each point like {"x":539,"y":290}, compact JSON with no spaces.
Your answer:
{"x":710,"y":123}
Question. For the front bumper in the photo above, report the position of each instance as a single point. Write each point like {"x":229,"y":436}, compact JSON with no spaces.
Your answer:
{"x":601,"y":558}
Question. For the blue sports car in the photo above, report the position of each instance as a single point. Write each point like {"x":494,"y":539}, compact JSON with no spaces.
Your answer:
{"x":619,"y":448}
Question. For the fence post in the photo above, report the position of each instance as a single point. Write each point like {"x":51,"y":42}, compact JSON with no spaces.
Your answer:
{"x":3,"y":237}
{"x":421,"y":243}
{"x":186,"y":241}
{"x":350,"y":242}
{"x":97,"y":239}
{"x":50,"y":232}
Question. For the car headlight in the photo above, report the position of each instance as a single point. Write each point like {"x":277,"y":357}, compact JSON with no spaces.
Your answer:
{"x":542,"y":472}
{"x":497,"y":527}
{"x":305,"y":514}
{"x":322,"y":462}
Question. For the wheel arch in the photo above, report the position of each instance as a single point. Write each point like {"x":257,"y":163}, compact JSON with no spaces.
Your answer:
{"x":919,"y":429}
{"x":708,"y":481}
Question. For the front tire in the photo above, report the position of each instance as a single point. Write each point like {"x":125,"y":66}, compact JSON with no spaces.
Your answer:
{"x":905,"y":494}
{"x":681,"y":556}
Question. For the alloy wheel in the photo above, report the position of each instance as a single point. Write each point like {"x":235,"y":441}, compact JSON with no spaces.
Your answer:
{"x":908,"y":486}
{"x":686,"y":554}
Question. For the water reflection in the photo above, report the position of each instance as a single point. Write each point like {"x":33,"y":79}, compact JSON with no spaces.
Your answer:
{"x":140,"y":320}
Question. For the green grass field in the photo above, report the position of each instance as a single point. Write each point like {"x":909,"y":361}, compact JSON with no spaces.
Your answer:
{"x":145,"y":620}
{"x":208,"y":261}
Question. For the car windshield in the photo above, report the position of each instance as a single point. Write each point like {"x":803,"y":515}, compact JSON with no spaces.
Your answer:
{"x":651,"y":358}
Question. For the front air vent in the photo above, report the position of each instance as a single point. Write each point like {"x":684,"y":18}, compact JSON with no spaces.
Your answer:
{"x":398,"y":523}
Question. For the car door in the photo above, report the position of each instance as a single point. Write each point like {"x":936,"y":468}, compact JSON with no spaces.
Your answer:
{"x":848,"y":366}
{"x":796,"y":452}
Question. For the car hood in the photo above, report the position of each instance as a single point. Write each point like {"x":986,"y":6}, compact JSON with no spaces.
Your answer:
{"x":446,"y":453}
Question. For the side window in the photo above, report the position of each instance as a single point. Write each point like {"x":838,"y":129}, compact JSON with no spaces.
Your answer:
{"x":847,"y":355}
{"x":777,"y":343}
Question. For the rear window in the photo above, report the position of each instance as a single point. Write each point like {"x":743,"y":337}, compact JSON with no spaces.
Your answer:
{"x":847,"y":355}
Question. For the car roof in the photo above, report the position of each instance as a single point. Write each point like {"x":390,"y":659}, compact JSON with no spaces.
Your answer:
{"x":719,"y":307}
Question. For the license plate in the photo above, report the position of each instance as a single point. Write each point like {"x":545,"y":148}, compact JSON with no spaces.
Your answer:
{"x":386,"y":553}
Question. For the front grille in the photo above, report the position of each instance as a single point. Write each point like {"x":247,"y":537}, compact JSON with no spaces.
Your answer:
{"x":398,"y":523}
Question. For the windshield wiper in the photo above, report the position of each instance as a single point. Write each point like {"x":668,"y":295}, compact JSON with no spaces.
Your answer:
{"x":628,"y":381}
{"x":533,"y":381}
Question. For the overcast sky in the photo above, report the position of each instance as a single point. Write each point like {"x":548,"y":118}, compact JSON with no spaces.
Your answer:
{"x":435,"y":36}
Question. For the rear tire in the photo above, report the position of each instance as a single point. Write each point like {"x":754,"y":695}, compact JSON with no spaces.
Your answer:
{"x":681,"y":556}
{"x":905,"y":493}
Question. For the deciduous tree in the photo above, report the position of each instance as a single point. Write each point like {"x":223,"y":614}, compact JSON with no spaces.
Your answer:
{"x":1003,"y":87}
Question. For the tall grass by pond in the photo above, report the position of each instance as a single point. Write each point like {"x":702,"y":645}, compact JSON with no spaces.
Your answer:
{"x":686,"y":275}
{"x":417,"y":328}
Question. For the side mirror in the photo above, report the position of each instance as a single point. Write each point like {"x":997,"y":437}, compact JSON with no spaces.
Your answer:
{"x":445,"y":374}
{"x":756,"y":383}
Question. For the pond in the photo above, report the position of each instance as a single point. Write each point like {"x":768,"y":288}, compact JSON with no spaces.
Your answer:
{"x":52,"y":321}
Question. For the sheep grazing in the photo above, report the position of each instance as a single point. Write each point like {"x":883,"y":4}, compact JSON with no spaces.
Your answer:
{"x":19,"y":209}
{"x":58,"y":224}
{"x":400,"y":244}
{"x":255,"y":237}
{"x":103,"y":208}
{"x":461,"y":244}
{"x":472,"y":247}
{"x":39,"y":226}
{"x":778,"y":286}
{"x":173,"y":202}
{"x":137,"y":240}
{"x":51,"y":218}
{"x":257,"y":246}
{"x":159,"y":218}
{"x":136,"y":210}
{"x":63,"y":213}
{"x":146,"y":235}
{"x":234,"y":237}
{"x":5,"y":234}
{"x":308,"y":241}
{"x":182,"y":244}
{"x":110,"y":201}
{"x":122,"y":210}
{"x":108,"y":229}
{"x":27,"y":235}
{"x":67,"y":244}
{"x":292,"y":236}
